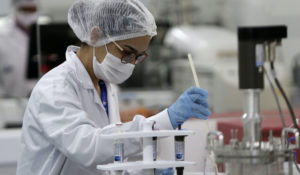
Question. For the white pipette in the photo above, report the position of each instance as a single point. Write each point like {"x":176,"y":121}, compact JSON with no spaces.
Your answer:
{"x":198,"y":85}
{"x":196,"y":81}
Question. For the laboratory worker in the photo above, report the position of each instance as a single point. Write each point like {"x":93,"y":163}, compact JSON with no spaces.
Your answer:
{"x":14,"y":37}
{"x":74,"y":104}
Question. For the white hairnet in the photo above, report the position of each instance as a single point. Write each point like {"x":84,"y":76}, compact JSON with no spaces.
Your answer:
{"x":17,"y":3}
{"x":98,"y":22}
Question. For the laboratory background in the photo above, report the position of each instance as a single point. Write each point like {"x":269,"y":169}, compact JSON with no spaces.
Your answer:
{"x":246,"y":54}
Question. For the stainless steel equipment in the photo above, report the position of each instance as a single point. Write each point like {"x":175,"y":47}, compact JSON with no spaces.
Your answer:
{"x":253,"y":156}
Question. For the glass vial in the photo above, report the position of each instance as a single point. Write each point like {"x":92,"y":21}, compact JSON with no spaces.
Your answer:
{"x":119,"y":152}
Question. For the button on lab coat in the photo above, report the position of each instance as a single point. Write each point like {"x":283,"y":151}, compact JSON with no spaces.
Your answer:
{"x":64,"y":120}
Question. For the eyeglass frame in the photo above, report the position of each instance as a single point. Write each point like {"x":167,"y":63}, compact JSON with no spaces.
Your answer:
{"x":135,"y":56}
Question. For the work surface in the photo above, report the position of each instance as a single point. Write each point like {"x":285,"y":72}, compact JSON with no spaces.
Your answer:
{"x":9,"y":145}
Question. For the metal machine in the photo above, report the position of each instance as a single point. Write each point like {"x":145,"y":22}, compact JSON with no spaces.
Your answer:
{"x":254,"y":156}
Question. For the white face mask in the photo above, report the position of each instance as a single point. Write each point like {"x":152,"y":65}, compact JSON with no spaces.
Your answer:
{"x":26,"y":19}
{"x":112,"y":69}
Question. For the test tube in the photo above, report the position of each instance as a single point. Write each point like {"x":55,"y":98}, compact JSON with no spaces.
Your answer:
{"x":118,"y":147}
{"x":119,"y":151}
{"x":179,"y":149}
{"x":179,"y":145}
{"x":154,"y":141}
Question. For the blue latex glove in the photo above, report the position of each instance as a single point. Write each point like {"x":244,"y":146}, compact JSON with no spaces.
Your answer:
{"x":191,"y":104}
{"x":168,"y":171}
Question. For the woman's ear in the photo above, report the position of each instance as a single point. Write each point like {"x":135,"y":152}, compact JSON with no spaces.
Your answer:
{"x":96,"y":34}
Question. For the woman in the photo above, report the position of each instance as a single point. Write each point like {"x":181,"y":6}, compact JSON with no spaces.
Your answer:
{"x":73,"y":104}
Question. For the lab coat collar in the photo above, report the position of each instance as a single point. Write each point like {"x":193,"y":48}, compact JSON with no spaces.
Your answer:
{"x":80,"y":72}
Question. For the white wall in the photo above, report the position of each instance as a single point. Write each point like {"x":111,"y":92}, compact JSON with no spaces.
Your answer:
{"x":4,"y":7}
{"x":56,"y":9}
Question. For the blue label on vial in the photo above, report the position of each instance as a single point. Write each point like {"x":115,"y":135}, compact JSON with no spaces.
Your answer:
{"x":117,"y":158}
{"x":178,"y":156}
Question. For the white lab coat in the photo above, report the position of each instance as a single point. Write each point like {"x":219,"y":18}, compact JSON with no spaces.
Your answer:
{"x":13,"y":59}
{"x":64,"y":121}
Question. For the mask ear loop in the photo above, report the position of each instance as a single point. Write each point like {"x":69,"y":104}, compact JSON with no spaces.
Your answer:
{"x":106,"y":49}
{"x":94,"y":52}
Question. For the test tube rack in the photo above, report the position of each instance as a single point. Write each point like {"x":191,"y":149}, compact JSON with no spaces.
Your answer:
{"x":148,"y":164}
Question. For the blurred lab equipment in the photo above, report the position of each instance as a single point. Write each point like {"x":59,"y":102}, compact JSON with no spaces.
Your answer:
{"x":54,"y":38}
{"x":257,"y":47}
{"x":12,"y":111}
{"x":295,"y":92}
{"x":214,"y":50}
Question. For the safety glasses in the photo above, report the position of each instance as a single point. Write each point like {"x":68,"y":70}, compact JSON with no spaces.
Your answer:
{"x":129,"y":57}
{"x":28,"y":9}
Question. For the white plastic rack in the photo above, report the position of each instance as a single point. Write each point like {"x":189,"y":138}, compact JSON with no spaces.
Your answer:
{"x":147,"y":165}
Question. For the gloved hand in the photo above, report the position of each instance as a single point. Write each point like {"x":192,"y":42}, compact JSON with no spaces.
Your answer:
{"x":191,"y":104}
{"x":168,"y":171}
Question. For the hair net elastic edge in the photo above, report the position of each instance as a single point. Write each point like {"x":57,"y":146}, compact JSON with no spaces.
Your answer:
{"x":119,"y":38}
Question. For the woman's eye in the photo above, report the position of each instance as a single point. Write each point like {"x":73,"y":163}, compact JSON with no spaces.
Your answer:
{"x":132,"y":56}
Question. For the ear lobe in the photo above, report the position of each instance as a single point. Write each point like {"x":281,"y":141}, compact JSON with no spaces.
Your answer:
{"x":96,"y":34}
